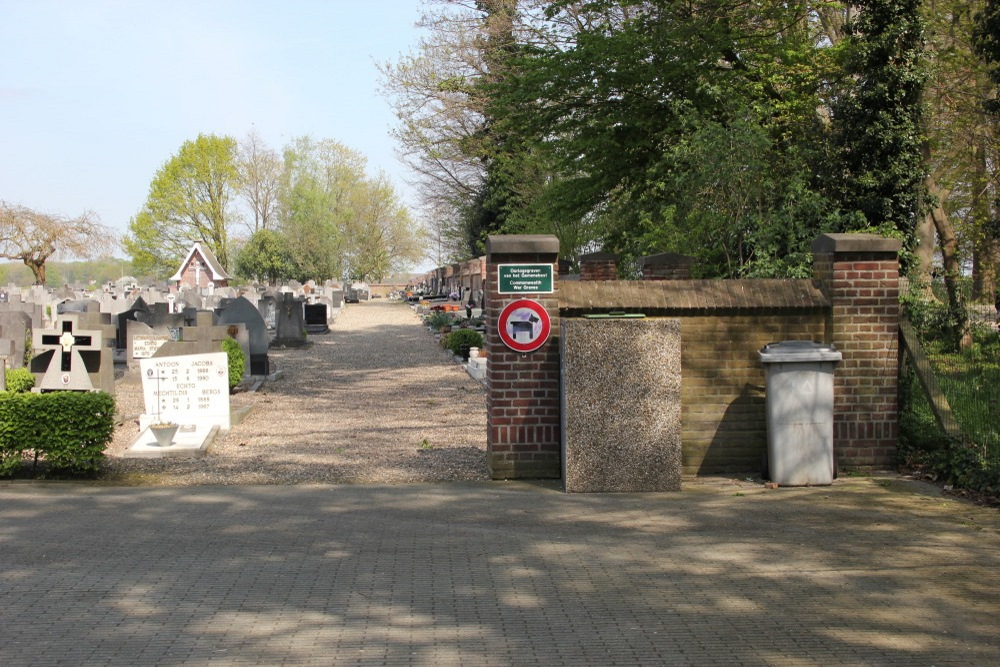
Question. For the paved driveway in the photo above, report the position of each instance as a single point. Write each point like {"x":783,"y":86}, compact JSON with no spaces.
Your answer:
{"x":869,"y":571}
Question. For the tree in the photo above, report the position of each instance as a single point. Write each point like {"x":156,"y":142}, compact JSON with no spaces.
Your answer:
{"x":315,"y":196}
{"x":652,"y":124}
{"x":189,"y":200}
{"x":259,"y":179}
{"x":878,"y":121}
{"x":33,"y":237}
{"x":264,"y":257}
{"x":382,"y":237}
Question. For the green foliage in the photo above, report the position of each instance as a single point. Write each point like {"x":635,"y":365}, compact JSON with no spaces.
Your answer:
{"x":878,"y":118}
{"x":438,"y":319}
{"x":460,"y":337}
{"x":237,"y":361}
{"x":68,"y":430}
{"x":445,"y":341}
{"x":700,"y":135}
{"x":264,"y":257}
{"x":188,"y":201}
{"x":19,"y":380}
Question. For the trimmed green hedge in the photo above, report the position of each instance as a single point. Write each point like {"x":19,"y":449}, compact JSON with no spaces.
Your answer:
{"x":69,"y":430}
{"x":19,"y":380}
{"x":237,"y":361}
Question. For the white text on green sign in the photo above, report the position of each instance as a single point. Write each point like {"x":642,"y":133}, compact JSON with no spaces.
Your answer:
{"x":524,"y":279}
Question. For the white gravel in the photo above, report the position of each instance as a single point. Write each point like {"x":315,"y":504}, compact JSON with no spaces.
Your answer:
{"x":374,"y":401}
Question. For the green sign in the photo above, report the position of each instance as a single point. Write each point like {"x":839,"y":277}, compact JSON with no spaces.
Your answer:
{"x":524,"y":279}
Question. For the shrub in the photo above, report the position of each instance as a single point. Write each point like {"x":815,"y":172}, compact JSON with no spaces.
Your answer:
{"x":464,"y":337}
{"x":443,"y":341}
{"x":237,"y":361}
{"x":68,"y":429}
{"x":438,"y":319}
{"x":19,"y":380}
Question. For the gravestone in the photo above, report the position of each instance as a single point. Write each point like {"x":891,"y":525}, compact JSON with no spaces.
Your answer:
{"x":138,"y":312}
{"x":615,"y":441}
{"x":15,"y":325}
{"x":68,"y":357}
{"x":144,"y":341}
{"x":242,"y":311}
{"x":267,"y":305}
{"x":201,"y":338}
{"x":78,"y":306}
{"x":190,"y":391}
{"x":290,"y":326}
{"x":314,"y":316}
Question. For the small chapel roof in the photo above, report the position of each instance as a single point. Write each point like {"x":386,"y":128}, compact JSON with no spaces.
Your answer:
{"x":215,"y":270}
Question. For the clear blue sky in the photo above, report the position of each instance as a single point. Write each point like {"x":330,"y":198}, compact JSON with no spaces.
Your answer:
{"x":95,"y":95}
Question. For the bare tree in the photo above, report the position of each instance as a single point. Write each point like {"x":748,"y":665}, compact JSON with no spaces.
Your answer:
{"x":259,"y":179}
{"x":33,"y":237}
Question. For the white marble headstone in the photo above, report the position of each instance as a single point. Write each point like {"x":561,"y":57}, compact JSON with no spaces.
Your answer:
{"x":192,"y":389}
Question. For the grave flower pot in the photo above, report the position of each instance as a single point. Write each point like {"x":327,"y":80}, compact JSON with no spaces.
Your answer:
{"x":463,"y":351}
{"x":164,"y":433}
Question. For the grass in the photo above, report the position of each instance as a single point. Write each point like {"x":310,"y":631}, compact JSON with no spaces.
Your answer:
{"x":971,"y":381}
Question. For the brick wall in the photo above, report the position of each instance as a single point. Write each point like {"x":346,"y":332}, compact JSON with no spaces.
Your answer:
{"x":853,"y":304}
{"x":861,"y":276}
{"x":599,"y":266}
{"x":522,"y":404}
{"x":666,"y":266}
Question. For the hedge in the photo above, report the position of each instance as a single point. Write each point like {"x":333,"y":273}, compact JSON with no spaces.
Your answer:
{"x":237,"y":361}
{"x":69,"y":430}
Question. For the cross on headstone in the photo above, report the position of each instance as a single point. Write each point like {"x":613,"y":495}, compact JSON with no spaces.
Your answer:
{"x":66,"y":369}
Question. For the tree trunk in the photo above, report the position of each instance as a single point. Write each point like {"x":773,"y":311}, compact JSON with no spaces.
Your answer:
{"x":923,"y":255}
{"x":984,"y":253}
{"x":37,"y":268}
{"x":952,"y":263}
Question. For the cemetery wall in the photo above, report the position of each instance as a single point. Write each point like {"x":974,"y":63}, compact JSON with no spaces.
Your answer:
{"x":852,"y":302}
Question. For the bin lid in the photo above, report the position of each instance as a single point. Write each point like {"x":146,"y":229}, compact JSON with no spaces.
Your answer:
{"x":798,"y":351}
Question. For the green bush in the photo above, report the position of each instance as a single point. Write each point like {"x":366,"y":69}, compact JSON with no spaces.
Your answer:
{"x":69,"y":430}
{"x":462,"y":337}
{"x":19,"y":380}
{"x":237,"y":361}
{"x":439,"y":319}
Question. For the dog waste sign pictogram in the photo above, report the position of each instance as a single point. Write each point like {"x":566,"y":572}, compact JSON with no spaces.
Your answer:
{"x":524,"y":326}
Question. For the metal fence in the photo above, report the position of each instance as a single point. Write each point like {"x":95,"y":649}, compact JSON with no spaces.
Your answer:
{"x":951,"y":383}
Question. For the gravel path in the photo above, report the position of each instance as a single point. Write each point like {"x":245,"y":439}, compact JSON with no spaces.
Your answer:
{"x":374,"y":401}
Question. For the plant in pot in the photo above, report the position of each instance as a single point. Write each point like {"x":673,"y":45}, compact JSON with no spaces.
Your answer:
{"x":163,"y":430}
{"x":462,"y":340}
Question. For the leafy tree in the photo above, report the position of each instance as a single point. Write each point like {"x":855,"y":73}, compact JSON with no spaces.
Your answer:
{"x":189,"y":200}
{"x":33,"y":237}
{"x":381,"y":238}
{"x":316,"y":205}
{"x":264,"y":257}
{"x":878,"y":121}
{"x":660,"y":126}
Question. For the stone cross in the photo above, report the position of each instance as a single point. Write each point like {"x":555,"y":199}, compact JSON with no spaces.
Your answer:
{"x":66,"y":369}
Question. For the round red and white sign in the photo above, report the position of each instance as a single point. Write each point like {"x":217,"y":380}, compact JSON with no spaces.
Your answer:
{"x":524,"y":326}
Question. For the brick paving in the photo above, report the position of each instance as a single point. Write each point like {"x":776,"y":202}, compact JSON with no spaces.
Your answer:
{"x":868,"y":571}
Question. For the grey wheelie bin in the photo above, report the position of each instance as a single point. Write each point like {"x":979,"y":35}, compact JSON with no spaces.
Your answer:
{"x":799,"y":398}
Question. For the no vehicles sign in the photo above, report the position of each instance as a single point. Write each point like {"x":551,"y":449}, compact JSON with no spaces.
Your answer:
{"x":524,"y":326}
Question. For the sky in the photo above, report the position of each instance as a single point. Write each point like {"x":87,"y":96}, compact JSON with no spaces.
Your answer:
{"x":96,"y":95}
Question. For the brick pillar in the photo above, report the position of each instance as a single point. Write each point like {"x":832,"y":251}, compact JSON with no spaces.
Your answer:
{"x":522,"y":399}
{"x":666,"y":266}
{"x":599,"y":266}
{"x":860,"y":273}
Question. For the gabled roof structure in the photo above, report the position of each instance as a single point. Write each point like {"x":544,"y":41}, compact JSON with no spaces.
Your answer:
{"x":213,"y":269}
